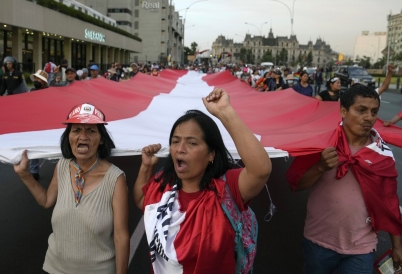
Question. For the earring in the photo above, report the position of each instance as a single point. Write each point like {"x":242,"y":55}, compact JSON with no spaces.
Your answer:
{"x":211,"y":163}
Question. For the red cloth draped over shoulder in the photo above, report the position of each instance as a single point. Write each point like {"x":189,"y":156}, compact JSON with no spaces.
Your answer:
{"x":374,"y":168}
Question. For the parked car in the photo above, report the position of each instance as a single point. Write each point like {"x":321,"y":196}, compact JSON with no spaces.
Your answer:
{"x":311,"y":74}
{"x":347,"y":73}
{"x":268,"y":65}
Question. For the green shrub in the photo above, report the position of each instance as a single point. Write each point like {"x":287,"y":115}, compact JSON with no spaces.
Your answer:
{"x":51,"y":4}
{"x":27,"y":77}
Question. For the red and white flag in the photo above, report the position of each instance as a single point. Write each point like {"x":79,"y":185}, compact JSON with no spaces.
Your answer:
{"x":141,"y":111}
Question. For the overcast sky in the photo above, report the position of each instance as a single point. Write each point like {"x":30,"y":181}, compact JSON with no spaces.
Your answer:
{"x":338,"y":22}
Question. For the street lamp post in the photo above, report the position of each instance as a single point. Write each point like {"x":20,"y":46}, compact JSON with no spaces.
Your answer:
{"x":259,"y":29}
{"x":292,"y":13}
{"x":239,"y":35}
{"x":388,"y":49}
{"x":184,"y":22}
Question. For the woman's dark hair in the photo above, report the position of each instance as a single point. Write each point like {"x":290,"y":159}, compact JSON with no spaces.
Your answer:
{"x":348,"y":98}
{"x":104,"y":150}
{"x":331,"y":81}
{"x":213,"y":138}
{"x":302,"y":74}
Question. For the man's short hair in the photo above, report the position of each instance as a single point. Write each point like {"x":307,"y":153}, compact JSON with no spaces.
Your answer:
{"x":348,"y":98}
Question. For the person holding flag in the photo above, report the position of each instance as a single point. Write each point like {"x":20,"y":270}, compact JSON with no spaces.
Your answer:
{"x":352,"y":192}
{"x":186,"y":227}
{"x":90,"y":199}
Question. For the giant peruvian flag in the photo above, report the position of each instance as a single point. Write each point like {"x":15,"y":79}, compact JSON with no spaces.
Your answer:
{"x":142,"y":110}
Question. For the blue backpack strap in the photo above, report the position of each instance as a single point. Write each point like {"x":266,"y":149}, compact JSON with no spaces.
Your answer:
{"x":237,"y":226}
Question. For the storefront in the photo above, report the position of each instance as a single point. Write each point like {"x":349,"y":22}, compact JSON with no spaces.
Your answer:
{"x":34,"y":34}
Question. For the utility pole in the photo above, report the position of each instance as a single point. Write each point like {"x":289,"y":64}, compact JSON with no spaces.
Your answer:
{"x":169,"y":33}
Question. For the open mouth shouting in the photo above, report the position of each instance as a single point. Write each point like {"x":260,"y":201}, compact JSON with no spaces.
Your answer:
{"x":82,"y":148}
{"x":181,"y":165}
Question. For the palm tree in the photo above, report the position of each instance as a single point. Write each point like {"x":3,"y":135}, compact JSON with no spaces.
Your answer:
{"x":380,"y":62}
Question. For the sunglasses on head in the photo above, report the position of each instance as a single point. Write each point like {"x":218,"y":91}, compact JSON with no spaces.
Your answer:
{"x":334,"y":79}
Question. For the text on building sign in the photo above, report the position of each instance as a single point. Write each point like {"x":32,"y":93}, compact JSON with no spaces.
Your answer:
{"x":96,"y":36}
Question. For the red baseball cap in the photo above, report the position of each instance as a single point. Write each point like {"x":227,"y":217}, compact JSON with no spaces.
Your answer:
{"x":85,"y":114}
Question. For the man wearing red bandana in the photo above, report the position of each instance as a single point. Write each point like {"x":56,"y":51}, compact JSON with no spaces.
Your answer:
{"x":352,"y":192}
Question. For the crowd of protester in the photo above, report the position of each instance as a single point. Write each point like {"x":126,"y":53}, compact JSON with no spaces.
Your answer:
{"x":267,"y":79}
{"x":182,"y":201}
{"x":12,"y":80}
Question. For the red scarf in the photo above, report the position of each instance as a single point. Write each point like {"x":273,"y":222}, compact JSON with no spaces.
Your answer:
{"x":374,"y":168}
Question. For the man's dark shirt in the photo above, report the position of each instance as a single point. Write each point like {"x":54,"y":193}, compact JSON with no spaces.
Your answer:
{"x":11,"y":82}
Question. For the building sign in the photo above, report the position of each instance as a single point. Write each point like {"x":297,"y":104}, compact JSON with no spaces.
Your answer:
{"x":150,"y":6}
{"x":95,"y":36}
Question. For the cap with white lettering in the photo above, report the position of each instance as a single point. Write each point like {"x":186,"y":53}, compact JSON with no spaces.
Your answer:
{"x":85,"y":114}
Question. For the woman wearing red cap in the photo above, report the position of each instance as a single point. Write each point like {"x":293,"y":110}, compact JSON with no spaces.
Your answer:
{"x":89,"y":195}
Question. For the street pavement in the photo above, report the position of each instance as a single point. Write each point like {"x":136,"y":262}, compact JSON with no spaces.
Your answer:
{"x":25,"y":226}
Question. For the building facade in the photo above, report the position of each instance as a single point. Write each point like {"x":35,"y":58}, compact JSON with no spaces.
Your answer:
{"x":296,"y":53}
{"x":155,"y":21}
{"x":33,"y":34}
{"x":394,"y":38}
{"x":370,"y":45}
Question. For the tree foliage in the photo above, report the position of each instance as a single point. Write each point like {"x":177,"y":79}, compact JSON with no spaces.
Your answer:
{"x":380,"y":63}
{"x":300,"y":58}
{"x":267,"y":56}
{"x":364,"y":61}
{"x":282,"y":57}
{"x":309,"y":59}
{"x":194,"y":46}
{"x":70,"y":11}
{"x":246,"y":56}
{"x":397,"y":57}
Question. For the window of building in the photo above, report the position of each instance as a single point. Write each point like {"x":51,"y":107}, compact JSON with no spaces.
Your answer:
{"x":9,"y":42}
{"x":137,"y":3}
{"x":120,"y":11}
{"x":2,"y":42}
{"x":124,"y":23}
{"x":136,"y":13}
{"x":136,"y":25}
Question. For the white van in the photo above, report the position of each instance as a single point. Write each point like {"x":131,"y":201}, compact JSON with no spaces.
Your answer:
{"x":269,"y":65}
